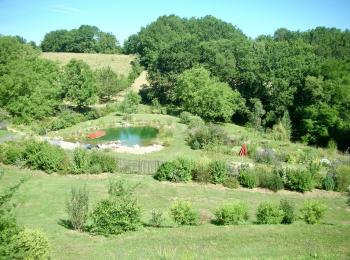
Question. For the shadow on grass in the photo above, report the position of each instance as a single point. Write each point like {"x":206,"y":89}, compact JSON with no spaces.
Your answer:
{"x":153,"y":226}
{"x":65,"y":223}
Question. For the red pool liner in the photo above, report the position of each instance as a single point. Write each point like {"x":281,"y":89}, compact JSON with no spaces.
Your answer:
{"x":96,"y":134}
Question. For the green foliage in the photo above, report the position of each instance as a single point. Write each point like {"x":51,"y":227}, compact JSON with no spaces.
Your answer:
{"x":231,"y":182}
{"x":265,"y":155}
{"x":201,"y":173}
{"x":179,"y":170}
{"x":232,"y":214}
{"x":30,"y":244}
{"x":218,"y":171}
{"x":79,"y":84}
{"x":342,"y":177}
{"x":205,"y":96}
{"x":299,"y":180}
{"x":86,"y":38}
{"x":120,"y":188}
{"x":12,"y":152}
{"x":248,"y":178}
{"x":77,"y":207}
{"x":130,"y":104}
{"x":106,"y":162}
{"x":256,"y":114}
{"x":81,"y":161}
{"x":269,"y":214}
{"x":183,"y":213}
{"x":313,"y":211}
{"x":288,"y":211}
{"x":270,"y":179}
{"x":157,"y":218}
{"x":64,"y":119}
{"x":328,"y":182}
{"x":206,"y":135}
{"x":190,"y":120}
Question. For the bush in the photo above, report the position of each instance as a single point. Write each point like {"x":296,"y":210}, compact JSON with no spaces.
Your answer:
{"x":12,"y":152}
{"x":77,"y":207}
{"x":30,"y":244}
{"x":106,"y":162}
{"x":299,"y":180}
{"x":205,"y":135}
{"x":81,"y":161}
{"x":201,"y":173}
{"x":179,"y":170}
{"x":269,"y":214}
{"x":248,"y":178}
{"x":66,"y":118}
{"x":115,"y":215}
{"x":120,"y":188}
{"x":265,"y":156}
{"x":342,"y":177}
{"x":218,"y":171}
{"x":45,"y":157}
{"x":183,"y":214}
{"x":191,"y":120}
{"x":270,"y":180}
{"x":288,"y":212}
{"x":231,"y":214}
{"x":313,"y":211}
{"x":157,"y":218}
{"x":231,"y":182}
{"x":328,"y":182}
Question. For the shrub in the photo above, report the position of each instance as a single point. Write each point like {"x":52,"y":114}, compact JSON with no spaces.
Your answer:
{"x":115,"y":215}
{"x":46,"y":157}
{"x":265,"y":156}
{"x":269,"y":214}
{"x":204,"y":135}
{"x":12,"y":152}
{"x":288,"y":211}
{"x":81,"y":161}
{"x":313,"y":211}
{"x":191,"y":120}
{"x":30,"y":244}
{"x":270,"y":180}
{"x":328,"y":182}
{"x":201,"y":173}
{"x":183,"y":213}
{"x":299,"y":180}
{"x":231,"y":182}
{"x":120,"y":188}
{"x":179,"y":170}
{"x":77,"y":207}
{"x":66,"y":118}
{"x":342,"y":177}
{"x":157,"y":218}
{"x":105,"y":161}
{"x":218,"y":171}
{"x":248,"y":178}
{"x":232,"y":214}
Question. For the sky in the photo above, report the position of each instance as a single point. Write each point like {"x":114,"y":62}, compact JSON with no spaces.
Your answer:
{"x":32,"y":19}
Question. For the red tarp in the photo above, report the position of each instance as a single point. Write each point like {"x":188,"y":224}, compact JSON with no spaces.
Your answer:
{"x":96,"y":134}
{"x":243,"y":151}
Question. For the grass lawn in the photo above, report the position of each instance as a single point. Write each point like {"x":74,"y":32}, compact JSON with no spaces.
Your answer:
{"x":41,"y":205}
{"x":119,"y":63}
{"x":3,"y":133}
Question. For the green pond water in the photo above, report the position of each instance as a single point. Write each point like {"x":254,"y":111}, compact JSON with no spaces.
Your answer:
{"x":129,"y":136}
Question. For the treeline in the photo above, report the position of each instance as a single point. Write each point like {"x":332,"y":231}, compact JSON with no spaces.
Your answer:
{"x":210,"y":68}
{"x":85,"y":39}
{"x":35,"y":89}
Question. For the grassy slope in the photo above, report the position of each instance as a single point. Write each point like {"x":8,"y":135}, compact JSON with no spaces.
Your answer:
{"x":119,"y":63}
{"x":41,"y":205}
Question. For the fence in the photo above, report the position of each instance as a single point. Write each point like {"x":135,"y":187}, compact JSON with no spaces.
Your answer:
{"x":147,"y":167}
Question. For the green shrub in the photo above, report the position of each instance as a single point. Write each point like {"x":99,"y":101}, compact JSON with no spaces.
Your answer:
{"x":328,"y":182}
{"x":269,"y":214}
{"x":248,"y":178}
{"x":270,"y":180}
{"x":299,"y":180}
{"x":77,"y":207}
{"x":204,"y":135}
{"x":81,"y":160}
{"x":179,"y":170}
{"x":12,"y":152}
{"x":231,"y":182}
{"x":342,"y":177}
{"x":106,"y":162}
{"x":115,"y":215}
{"x":66,"y":118}
{"x":157,"y":218}
{"x":183,"y":213}
{"x":313,"y":211}
{"x":288,"y":211}
{"x":265,"y":156}
{"x":30,"y":244}
{"x":45,"y":157}
{"x":218,"y":171}
{"x":190,"y":120}
{"x":120,"y":188}
{"x":231,"y":214}
{"x":201,"y":173}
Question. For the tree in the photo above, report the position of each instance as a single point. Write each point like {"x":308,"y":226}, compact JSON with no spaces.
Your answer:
{"x":206,"y":97}
{"x":79,"y":84}
{"x":108,"y":83}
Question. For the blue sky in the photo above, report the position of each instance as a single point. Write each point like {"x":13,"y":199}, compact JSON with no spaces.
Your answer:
{"x":33,"y":18}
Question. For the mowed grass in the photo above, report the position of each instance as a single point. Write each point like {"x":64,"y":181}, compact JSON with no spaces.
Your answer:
{"x":41,"y":205}
{"x":119,"y":63}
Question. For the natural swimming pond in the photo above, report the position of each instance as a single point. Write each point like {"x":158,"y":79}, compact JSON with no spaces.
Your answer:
{"x":129,"y":136}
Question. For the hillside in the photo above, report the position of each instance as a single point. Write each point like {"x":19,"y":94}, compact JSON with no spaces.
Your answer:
{"x":119,"y":63}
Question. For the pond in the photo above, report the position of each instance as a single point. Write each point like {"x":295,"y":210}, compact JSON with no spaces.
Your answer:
{"x":129,"y":136}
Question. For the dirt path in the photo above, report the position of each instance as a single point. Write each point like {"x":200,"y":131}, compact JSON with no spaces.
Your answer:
{"x":136,"y":86}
